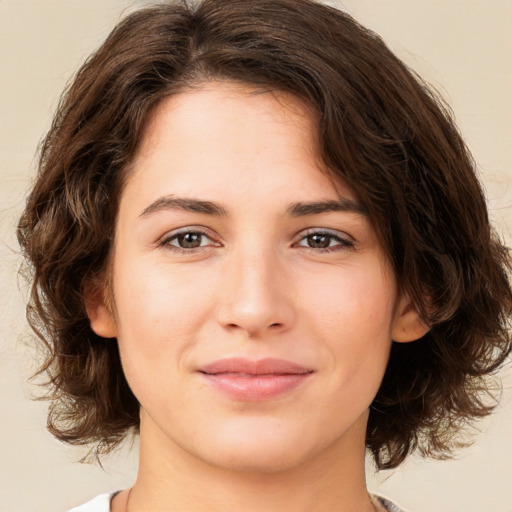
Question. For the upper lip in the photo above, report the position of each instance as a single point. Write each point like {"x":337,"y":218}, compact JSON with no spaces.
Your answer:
{"x":267,"y":366}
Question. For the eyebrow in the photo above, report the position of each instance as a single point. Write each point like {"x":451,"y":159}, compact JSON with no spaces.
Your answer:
{"x":300,"y":209}
{"x":314,"y":208}
{"x":186,"y":205}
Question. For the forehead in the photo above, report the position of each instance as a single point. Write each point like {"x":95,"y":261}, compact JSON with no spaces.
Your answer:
{"x":230,"y":140}
{"x":229,"y":115}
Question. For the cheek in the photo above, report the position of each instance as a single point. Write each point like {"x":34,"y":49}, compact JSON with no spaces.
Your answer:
{"x":352,"y":300}
{"x":159,"y":298}
{"x":157,"y":315}
{"x":351,"y":311}
{"x":161,"y":312}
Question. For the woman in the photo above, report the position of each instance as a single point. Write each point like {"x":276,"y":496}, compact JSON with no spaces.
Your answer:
{"x":258,"y":240}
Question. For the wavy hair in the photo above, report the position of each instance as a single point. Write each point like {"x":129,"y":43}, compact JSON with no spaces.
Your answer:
{"x":380,"y":129}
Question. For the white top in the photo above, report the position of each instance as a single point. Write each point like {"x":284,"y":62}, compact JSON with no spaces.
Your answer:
{"x":102,"y":504}
{"x":99,"y":504}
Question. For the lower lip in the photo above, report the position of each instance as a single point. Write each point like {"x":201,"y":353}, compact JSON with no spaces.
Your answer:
{"x":255,"y":388}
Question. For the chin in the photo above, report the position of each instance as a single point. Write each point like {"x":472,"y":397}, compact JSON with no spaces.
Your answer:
{"x":255,"y":461}
{"x":258,"y":450}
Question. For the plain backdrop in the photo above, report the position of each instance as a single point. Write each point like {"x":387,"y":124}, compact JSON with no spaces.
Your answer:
{"x":462,"y":47}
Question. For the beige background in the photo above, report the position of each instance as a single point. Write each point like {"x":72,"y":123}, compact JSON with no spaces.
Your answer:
{"x":462,"y":47}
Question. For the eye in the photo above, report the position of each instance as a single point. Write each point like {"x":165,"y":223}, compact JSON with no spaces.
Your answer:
{"x":187,"y":240}
{"x":325,"y":241}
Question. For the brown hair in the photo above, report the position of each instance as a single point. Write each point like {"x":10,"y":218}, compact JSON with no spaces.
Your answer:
{"x":380,"y":130}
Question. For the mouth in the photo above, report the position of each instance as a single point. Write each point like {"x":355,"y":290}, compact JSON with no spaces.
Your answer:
{"x":248,"y":380}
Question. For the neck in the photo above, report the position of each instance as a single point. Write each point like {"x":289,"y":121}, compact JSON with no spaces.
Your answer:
{"x":174,"y":479}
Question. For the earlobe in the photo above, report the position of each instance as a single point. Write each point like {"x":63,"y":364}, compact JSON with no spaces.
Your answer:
{"x":100,"y":315}
{"x":408,"y":324}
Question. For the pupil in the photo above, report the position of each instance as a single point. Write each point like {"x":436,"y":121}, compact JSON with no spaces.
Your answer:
{"x":190,"y":240}
{"x":318,"y":241}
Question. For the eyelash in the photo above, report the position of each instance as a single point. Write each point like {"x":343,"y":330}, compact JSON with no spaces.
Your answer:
{"x":166,"y":241}
{"x":342,"y":243}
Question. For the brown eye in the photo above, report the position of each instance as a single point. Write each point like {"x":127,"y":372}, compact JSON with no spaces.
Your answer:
{"x":189,"y":240}
{"x":325,"y":241}
{"x":319,"y":241}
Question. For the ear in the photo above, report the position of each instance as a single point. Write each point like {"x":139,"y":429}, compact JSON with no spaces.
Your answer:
{"x":407,"y":325}
{"x":99,"y":311}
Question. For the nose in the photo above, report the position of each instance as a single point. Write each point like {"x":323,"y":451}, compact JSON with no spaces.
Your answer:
{"x":255,"y":297}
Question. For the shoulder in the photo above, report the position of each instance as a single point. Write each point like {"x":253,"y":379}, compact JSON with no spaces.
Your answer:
{"x":387,"y":505}
{"x":99,"y":504}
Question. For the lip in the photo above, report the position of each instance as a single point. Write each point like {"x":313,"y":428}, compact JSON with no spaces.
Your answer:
{"x":254,"y":380}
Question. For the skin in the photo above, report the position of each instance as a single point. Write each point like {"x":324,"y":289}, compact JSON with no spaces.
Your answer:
{"x":260,"y":284}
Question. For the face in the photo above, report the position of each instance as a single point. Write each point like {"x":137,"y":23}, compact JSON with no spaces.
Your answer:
{"x":253,"y":304}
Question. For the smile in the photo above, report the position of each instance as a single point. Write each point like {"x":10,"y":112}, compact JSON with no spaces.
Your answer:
{"x":253,"y":381}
